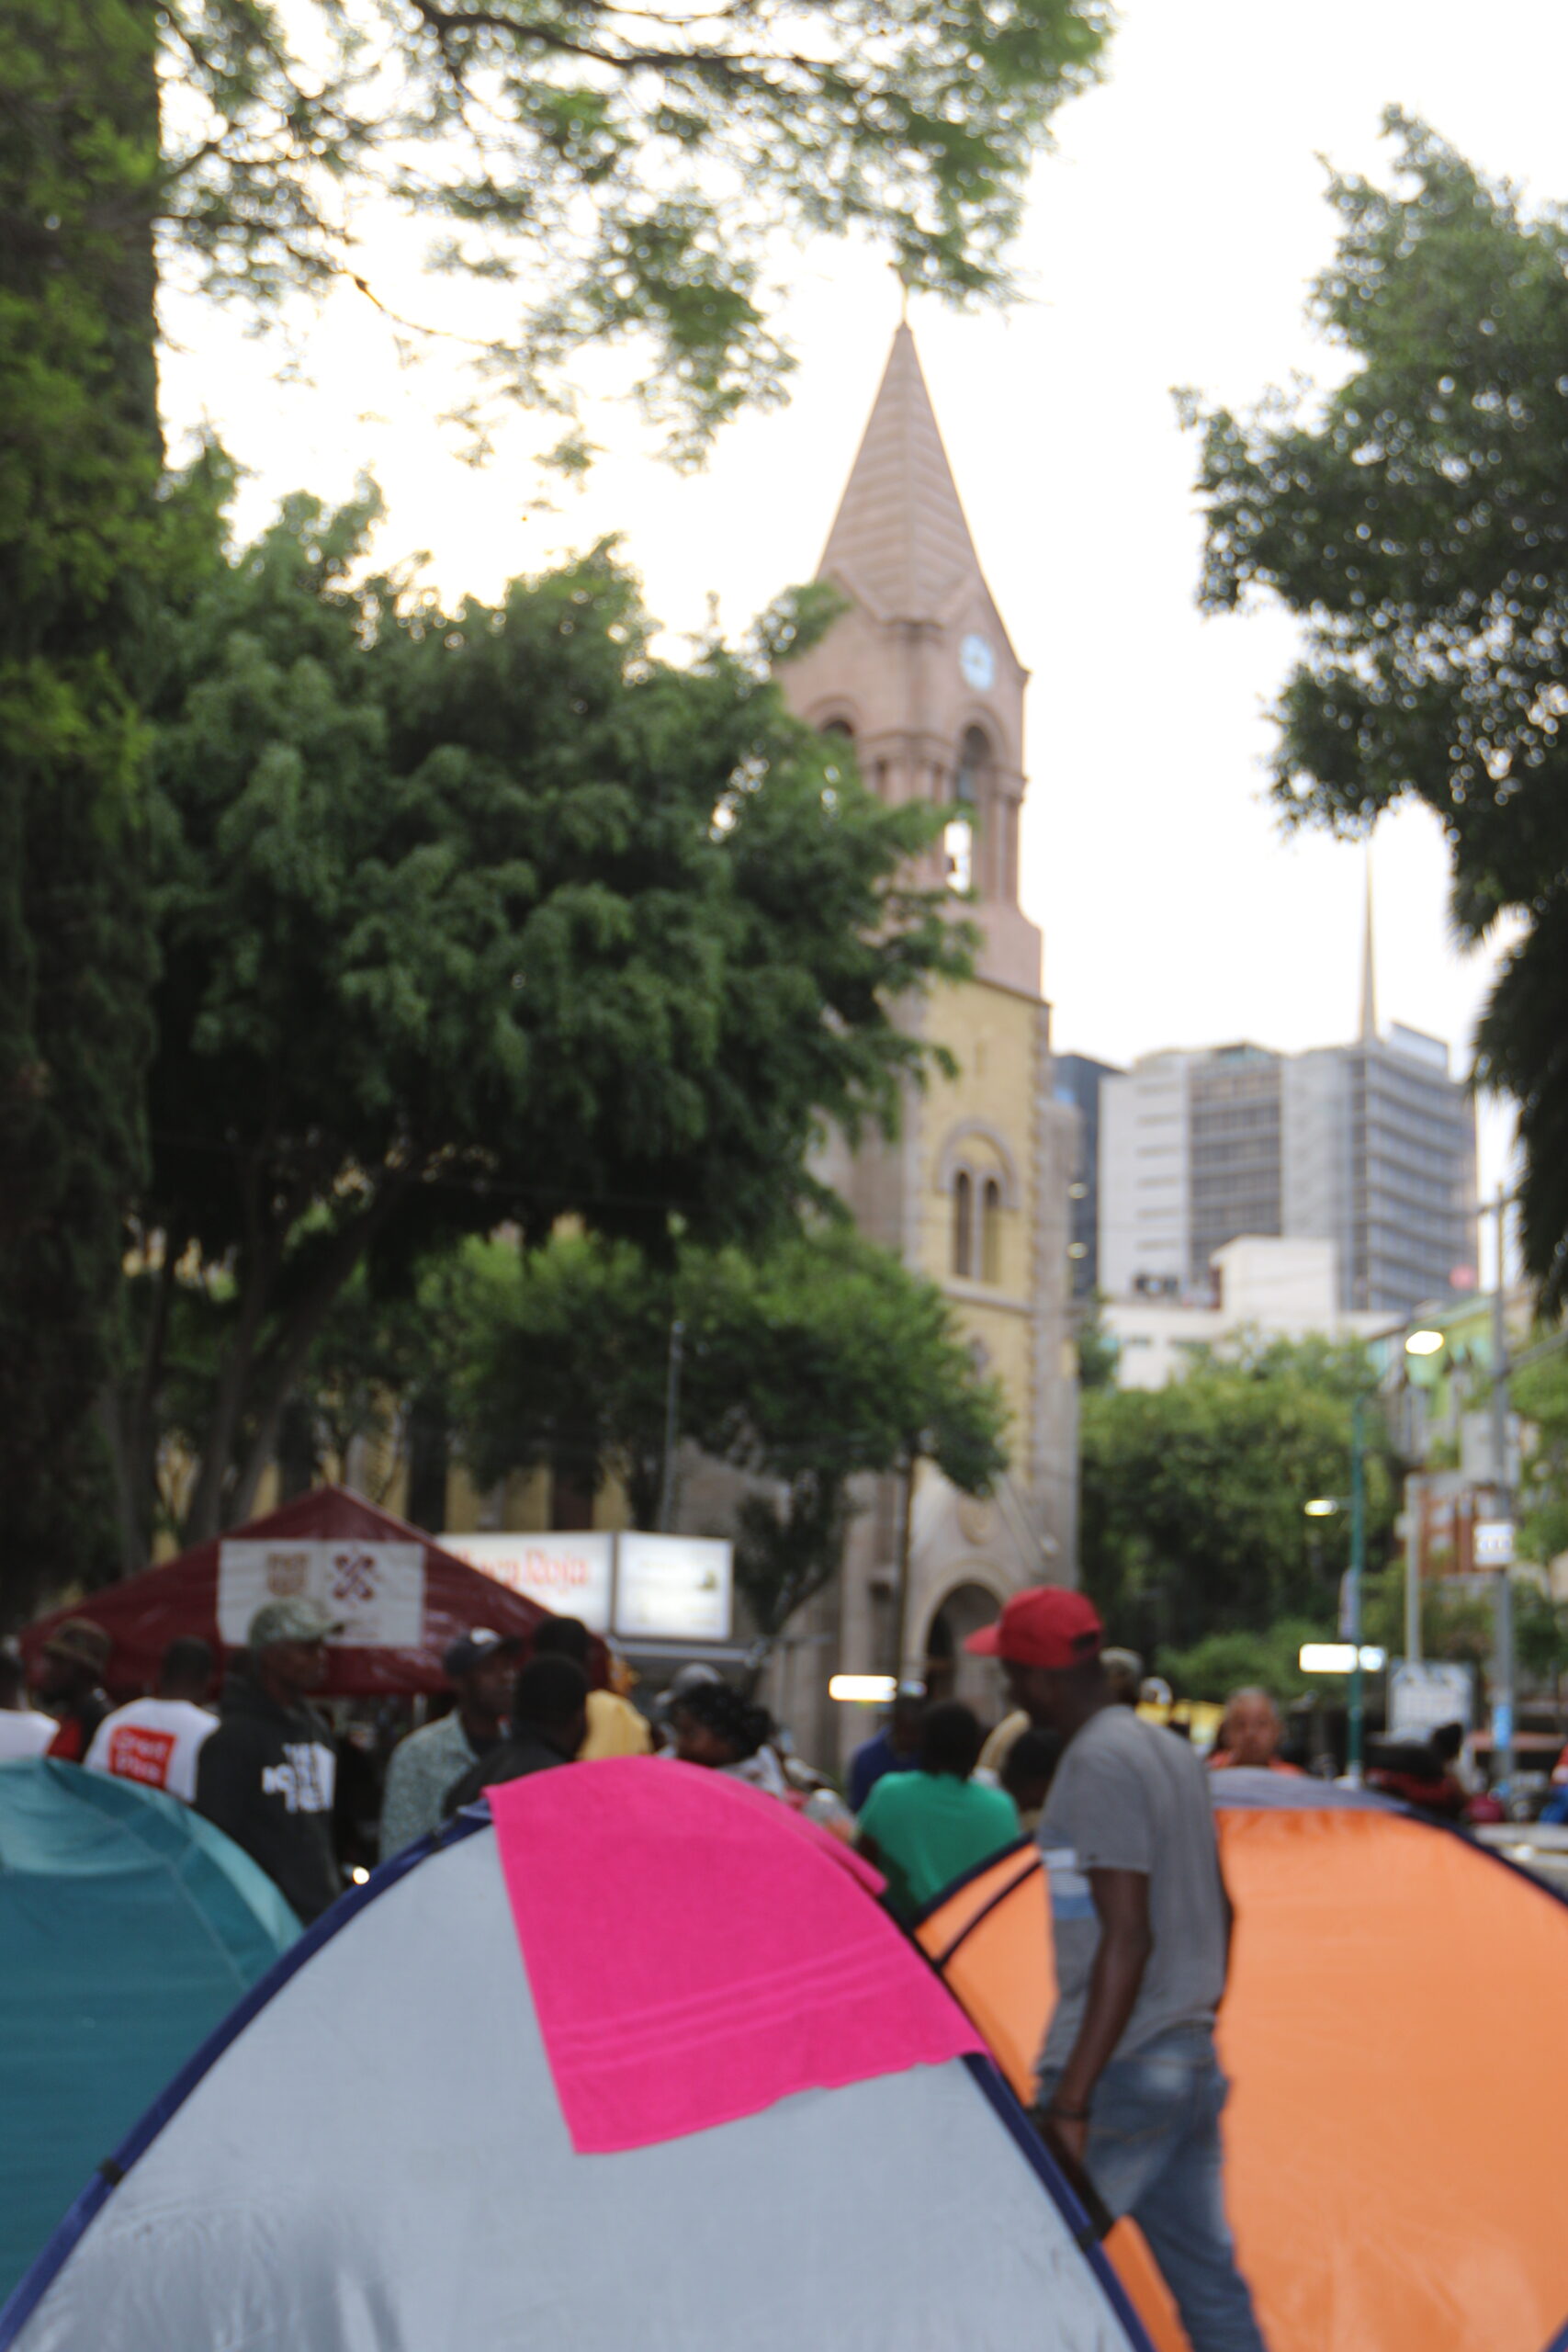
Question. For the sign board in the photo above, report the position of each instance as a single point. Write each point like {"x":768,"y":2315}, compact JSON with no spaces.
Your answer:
{"x":673,"y":1588}
{"x":377,"y":1590}
{"x":567,"y":1574}
{"x":1425,"y":1694}
{"x":1494,"y":1543}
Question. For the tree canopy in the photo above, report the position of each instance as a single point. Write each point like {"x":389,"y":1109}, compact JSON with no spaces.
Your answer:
{"x":602,"y":170}
{"x":1192,"y":1495}
{"x":482,"y":916}
{"x":1417,"y":520}
{"x":806,"y":1365}
{"x":598,"y":174}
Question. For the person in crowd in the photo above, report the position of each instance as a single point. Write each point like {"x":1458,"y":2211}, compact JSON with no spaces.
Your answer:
{"x":615,"y":1726}
{"x":1423,"y":1775}
{"x":685,"y":1678}
{"x":1129,"y":2084}
{"x":156,"y":1741}
{"x":69,"y":1679}
{"x":1123,"y":1679}
{"x":718,"y":1727}
{"x":24,"y":1730}
{"x":1028,"y":1773}
{"x":922,"y":1829}
{"x":1249,"y":1736}
{"x":266,"y":1775}
{"x":895,"y":1748}
{"x":482,"y":1666}
{"x":1123,"y":1672}
{"x":549,"y":1722}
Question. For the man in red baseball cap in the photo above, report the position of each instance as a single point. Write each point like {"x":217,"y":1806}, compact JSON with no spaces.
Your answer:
{"x":1048,"y":1627}
{"x":1129,"y":2084}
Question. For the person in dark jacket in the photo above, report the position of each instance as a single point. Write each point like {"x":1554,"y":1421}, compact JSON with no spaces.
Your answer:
{"x":549,"y":1723}
{"x":266,"y":1775}
{"x":69,"y":1680}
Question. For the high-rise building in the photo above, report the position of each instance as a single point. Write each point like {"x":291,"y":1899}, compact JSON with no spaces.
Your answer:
{"x":1368,"y":1145}
{"x":1078,"y":1083}
{"x":1380,"y":1158}
{"x":919,"y":673}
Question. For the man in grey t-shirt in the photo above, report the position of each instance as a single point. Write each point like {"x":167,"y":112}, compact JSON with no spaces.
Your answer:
{"x":1130,"y":2086}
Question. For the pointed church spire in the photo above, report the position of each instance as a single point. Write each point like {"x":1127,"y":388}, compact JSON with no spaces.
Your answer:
{"x":900,"y":542}
{"x":1369,"y":975}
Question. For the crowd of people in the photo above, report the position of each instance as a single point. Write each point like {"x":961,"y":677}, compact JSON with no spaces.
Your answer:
{"x":1130,"y":2092}
{"x":263,"y":1762}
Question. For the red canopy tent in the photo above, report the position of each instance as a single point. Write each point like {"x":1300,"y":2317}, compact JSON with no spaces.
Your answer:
{"x":339,"y":1548}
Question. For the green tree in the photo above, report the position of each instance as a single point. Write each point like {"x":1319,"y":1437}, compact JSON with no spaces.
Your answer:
{"x":1418,"y":521}
{"x":1191,"y":1494}
{"x":483,"y":916}
{"x":1097,"y":1349}
{"x":606,"y":174}
{"x":84,"y":547}
{"x":806,"y":1365}
{"x":1540,"y":1398}
{"x":1266,"y":1660}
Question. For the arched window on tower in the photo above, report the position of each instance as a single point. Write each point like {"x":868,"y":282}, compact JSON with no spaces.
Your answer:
{"x":963,"y":1225}
{"x":963,"y":829}
{"x":990,"y":1231}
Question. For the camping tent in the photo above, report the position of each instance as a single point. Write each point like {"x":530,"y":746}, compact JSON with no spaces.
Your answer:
{"x":402,"y":1599}
{"x":128,"y":1928}
{"x":1397,"y":2133}
{"x":627,"y":2057}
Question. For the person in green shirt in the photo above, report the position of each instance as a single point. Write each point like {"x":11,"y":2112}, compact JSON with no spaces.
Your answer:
{"x":923,"y":1829}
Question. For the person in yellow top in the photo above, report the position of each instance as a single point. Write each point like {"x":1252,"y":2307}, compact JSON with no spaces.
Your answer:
{"x":615,"y":1725}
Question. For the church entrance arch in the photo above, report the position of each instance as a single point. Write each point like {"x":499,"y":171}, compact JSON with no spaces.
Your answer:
{"x":950,"y":1671}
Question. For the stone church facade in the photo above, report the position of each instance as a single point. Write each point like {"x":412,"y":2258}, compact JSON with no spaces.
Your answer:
{"x":919,"y":672}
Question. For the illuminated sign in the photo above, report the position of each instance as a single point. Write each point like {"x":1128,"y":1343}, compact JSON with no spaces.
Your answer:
{"x":569,"y":1574}
{"x":673,"y":1588}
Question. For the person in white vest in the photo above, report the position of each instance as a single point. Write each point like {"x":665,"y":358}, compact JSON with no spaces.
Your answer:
{"x":24,"y":1730}
{"x":156,"y":1741}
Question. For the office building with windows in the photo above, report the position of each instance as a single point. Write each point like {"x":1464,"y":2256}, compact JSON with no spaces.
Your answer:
{"x":1076,"y":1083}
{"x":1369,"y":1147}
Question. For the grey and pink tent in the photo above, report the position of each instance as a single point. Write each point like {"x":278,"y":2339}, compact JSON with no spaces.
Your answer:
{"x":629,"y":2057}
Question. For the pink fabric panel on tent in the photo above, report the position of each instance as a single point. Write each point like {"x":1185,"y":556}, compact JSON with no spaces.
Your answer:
{"x":693,"y":1957}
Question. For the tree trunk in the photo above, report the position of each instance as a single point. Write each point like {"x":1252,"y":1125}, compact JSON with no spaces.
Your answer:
{"x":79,"y":103}
{"x":430,"y":1447}
{"x":279,"y":1375}
{"x":206,"y":1514}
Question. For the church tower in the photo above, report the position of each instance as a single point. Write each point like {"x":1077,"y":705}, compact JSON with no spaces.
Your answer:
{"x":919,"y":672}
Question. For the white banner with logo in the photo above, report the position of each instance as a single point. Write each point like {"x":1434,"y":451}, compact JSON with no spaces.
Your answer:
{"x":569,"y":1574}
{"x":1425,"y":1694}
{"x":673,"y":1588}
{"x":377,"y":1589}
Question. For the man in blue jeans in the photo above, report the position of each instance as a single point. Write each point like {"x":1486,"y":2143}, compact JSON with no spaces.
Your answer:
{"x":1130,"y":2086}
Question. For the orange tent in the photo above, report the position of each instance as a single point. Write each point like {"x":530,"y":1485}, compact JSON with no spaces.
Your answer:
{"x":1397,"y":2132}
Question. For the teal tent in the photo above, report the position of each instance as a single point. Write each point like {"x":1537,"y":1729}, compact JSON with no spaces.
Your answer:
{"x":129,"y":1929}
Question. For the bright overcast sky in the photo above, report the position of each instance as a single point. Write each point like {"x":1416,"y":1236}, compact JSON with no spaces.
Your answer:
{"x":1170,"y":241}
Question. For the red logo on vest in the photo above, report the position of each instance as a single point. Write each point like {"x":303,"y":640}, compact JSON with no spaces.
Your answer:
{"x":136,"y":1754}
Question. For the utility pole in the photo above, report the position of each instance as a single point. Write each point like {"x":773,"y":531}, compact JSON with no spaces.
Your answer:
{"x":1502,"y":1507}
{"x":1414,"y":1514}
{"x":905,"y":1544}
{"x":1356,"y":1744}
{"x":671,"y":1425}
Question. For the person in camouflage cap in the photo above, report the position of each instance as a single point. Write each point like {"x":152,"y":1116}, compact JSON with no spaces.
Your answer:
{"x":268,"y":1773}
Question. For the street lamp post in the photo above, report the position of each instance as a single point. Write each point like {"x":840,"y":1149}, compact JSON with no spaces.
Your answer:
{"x":1502,"y":1504}
{"x":1355,"y":1741}
{"x":1422,"y":1342}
